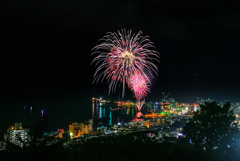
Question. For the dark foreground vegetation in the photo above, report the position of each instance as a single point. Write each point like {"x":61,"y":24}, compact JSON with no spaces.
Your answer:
{"x":121,"y":148}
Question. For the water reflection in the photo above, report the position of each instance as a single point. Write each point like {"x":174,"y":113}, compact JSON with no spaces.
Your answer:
{"x":110,"y":117}
{"x":137,"y":116}
{"x":110,"y":113}
{"x":155,"y":107}
{"x":100,"y":112}
{"x":93,"y":109}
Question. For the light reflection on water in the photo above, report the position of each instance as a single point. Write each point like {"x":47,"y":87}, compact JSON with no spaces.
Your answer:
{"x":137,"y":116}
{"x":105,"y":114}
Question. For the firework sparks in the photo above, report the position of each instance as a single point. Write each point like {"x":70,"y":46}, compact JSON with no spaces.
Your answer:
{"x":122,"y":54}
{"x":138,"y":83}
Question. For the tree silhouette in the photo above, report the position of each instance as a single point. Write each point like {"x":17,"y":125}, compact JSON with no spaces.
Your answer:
{"x":210,"y":126}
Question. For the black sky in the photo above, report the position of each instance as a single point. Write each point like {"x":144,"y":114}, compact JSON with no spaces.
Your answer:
{"x":46,"y":47}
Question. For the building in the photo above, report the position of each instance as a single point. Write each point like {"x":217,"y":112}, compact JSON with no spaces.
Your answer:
{"x":6,"y":137}
{"x":60,"y":133}
{"x":3,"y":146}
{"x":144,"y":123}
{"x":133,"y":123}
{"x":163,"y":121}
{"x":75,"y":130}
{"x":78,"y":129}
{"x":18,"y":135}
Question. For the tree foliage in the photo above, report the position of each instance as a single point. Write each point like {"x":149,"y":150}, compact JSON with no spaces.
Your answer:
{"x":210,"y":126}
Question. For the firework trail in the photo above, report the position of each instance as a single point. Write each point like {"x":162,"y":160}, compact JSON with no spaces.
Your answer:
{"x":138,"y":83}
{"x":120,"y":55}
{"x":140,"y":104}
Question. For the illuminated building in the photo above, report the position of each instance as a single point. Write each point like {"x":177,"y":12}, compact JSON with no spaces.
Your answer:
{"x":86,"y":131}
{"x":18,"y":135}
{"x":79,"y":129}
{"x":6,"y":137}
{"x":153,"y":115}
{"x":168,"y":103}
{"x":190,"y":109}
{"x":133,"y":123}
{"x":163,"y":121}
{"x":184,"y":104}
{"x":165,"y":105}
{"x":99,"y":100}
{"x":75,"y":130}
{"x":104,"y":130}
{"x":196,"y":106}
{"x":60,"y":133}
{"x":3,"y":146}
{"x":144,"y":123}
{"x":177,"y":104}
{"x":18,"y":126}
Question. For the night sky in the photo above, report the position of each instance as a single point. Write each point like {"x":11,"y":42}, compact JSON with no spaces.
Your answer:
{"x":46,"y":52}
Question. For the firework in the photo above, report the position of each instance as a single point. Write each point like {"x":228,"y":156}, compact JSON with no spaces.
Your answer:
{"x":138,"y":83}
{"x":122,"y":54}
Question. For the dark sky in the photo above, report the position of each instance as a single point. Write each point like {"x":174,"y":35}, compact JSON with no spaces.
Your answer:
{"x":46,"y":52}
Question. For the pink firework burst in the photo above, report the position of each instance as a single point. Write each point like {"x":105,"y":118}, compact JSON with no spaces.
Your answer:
{"x":122,"y":54}
{"x":138,"y":83}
